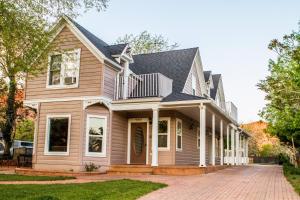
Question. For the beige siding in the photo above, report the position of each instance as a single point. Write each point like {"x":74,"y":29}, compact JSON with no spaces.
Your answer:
{"x":119,"y":138}
{"x":189,"y":155}
{"x":188,"y":85}
{"x":101,"y":161}
{"x":109,"y":82}
{"x":90,"y":76}
{"x":73,"y":160}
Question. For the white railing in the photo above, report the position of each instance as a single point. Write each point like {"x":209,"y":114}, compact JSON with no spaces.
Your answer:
{"x":142,"y":86}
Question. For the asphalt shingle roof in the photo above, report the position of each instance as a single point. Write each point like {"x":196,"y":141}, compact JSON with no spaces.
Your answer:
{"x":175,"y":64}
{"x":103,"y":47}
{"x":181,"y":97}
{"x":207,"y":75}
{"x":216,"y":80}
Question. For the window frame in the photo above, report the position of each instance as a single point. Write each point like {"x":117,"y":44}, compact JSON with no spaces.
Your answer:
{"x":47,"y":138}
{"x":62,"y":71}
{"x":178,"y":149}
{"x":95,"y":154}
{"x":168,"y":119}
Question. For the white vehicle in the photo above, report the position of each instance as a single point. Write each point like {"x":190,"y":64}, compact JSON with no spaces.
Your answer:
{"x":16,"y":144}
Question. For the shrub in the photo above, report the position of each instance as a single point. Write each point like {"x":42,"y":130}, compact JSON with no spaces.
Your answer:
{"x":91,"y":167}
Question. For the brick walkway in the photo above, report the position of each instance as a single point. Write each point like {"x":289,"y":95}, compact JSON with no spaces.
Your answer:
{"x":256,"y":182}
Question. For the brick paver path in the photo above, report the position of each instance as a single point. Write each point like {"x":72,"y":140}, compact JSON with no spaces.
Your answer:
{"x":254,"y":182}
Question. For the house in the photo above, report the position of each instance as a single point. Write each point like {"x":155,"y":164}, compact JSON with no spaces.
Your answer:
{"x":97,"y":103}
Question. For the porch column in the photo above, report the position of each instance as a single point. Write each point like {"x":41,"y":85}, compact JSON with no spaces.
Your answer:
{"x":126,"y":77}
{"x":213,"y":140}
{"x":221,"y":143}
{"x":232,"y":147}
{"x":202,"y":159}
{"x":237,"y":146}
{"x":244,"y":150}
{"x":155,"y":137}
{"x":227,"y":145}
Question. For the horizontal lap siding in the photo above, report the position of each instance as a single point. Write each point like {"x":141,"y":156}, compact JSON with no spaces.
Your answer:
{"x":109,"y":82}
{"x":101,"y":111}
{"x":90,"y":76}
{"x":119,"y":138}
{"x":74,"y":108}
{"x":188,"y":85}
{"x":190,"y":153}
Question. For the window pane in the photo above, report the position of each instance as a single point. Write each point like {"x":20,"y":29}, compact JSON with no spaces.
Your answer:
{"x":58,"y":139}
{"x":71,"y":68}
{"x":95,"y":144}
{"x":139,"y":141}
{"x":163,"y":126}
{"x":96,"y":126}
{"x":162,"y":141}
{"x":178,"y":142}
{"x":55,"y":67}
{"x":179,"y":127}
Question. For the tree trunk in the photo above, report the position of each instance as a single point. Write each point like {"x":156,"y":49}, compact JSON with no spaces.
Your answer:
{"x":8,"y":126}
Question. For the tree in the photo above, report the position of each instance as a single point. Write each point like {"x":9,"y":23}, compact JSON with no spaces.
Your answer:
{"x":282,"y":88}
{"x":24,"y":44}
{"x":146,"y":43}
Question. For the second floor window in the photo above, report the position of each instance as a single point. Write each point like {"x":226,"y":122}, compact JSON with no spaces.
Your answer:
{"x":64,"y":69}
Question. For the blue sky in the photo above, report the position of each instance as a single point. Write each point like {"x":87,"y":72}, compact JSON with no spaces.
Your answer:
{"x":232,"y":36}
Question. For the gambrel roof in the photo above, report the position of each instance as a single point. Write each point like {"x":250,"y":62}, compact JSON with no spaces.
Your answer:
{"x":175,"y":64}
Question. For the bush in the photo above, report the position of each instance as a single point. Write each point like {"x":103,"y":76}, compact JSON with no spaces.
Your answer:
{"x":283,"y":158}
{"x":91,"y":167}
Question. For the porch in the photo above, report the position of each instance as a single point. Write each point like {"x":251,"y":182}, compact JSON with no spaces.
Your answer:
{"x":174,"y":136}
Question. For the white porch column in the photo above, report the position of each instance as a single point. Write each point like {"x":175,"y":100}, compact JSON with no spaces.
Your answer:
{"x":247,"y":159}
{"x":126,"y":77}
{"x":155,"y":137}
{"x":213,"y":140}
{"x":227,"y":145}
{"x":202,"y":159}
{"x":232,"y":147}
{"x":244,"y":150}
{"x":221,"y":144}
{"x":237,"y":146}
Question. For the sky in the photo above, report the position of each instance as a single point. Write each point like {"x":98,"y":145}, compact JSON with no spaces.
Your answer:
{"x":232,"y":36}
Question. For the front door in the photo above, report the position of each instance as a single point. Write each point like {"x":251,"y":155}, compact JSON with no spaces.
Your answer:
{"x":138,"y":143}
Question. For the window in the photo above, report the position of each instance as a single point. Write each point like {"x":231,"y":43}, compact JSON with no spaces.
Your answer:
{"x":178,"y":134}
{"x":1,"y":147}
{"x":58,"y":135}
{"x":193,"y":84}
{"x":96,"y":136}
{"x":63,"y":69}
{"x":164,"y":134}
{"x":198,"y":138}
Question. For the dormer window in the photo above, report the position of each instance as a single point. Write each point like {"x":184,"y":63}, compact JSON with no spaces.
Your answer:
{"x":63,"y":69}
{"x":193,"y":84}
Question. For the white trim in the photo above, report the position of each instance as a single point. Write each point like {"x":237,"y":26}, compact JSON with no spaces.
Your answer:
{"x":198,"y":138}
{"x":178,"y":120}
{"x":137,"y":120}
{"x":94,"y":154}
{"x":46,"y":147}
{"x":82,"y":98}
{"x":62,"y":70}
{"x":168,"y":119}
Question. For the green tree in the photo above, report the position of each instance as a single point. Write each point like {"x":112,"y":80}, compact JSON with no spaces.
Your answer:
{"x":282,"y":88}
{"x":25,"y":130}
{"x":24,"y":37}
{"x":146,"y":43}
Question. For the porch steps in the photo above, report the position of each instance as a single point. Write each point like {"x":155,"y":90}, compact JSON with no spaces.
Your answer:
{"x":130,"y":169}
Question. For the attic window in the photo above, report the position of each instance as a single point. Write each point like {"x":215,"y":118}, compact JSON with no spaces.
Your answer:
{"x":63,"y":70}
{"x":193,"y":84}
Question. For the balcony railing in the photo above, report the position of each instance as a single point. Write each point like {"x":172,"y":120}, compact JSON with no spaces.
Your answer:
{"x":142,"y":86}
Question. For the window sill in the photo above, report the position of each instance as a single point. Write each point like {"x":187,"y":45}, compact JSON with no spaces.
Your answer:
{"x":163,"y":149}
{"x":61,"y":87}
{"x":56,"y":153}
{"x":179,"y":150}
{"x":99,"y":155}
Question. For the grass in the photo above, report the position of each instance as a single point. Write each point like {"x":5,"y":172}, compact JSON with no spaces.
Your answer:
{"x":293,"y":176}
{"x":15,"y":177}
{"x":112,"y":190}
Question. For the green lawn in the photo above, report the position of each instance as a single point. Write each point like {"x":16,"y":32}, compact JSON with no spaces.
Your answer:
{"x":293,"y":176}
{"x":15,"y":177}
{"x":118,"y":189}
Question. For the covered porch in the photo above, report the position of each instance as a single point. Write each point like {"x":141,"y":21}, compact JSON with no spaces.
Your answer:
{"x":171,"y":135}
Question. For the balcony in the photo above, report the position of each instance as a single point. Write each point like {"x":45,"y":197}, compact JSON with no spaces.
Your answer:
{"x":142,"y":86}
